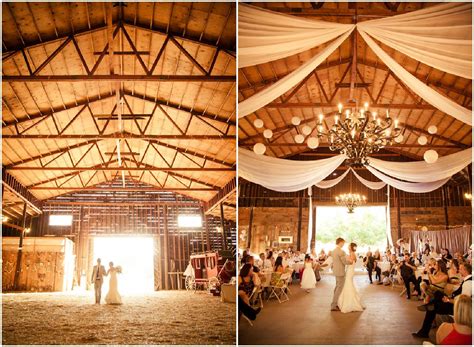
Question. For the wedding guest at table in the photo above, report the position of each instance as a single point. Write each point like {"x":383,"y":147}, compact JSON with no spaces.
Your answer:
{"x":278,"y":267}
{"x":442,"y":304}
{"x":322,"y":256}
{"x":445,"y":255}
{"x":425,"y":258}
{"x":270,"y":258}
{"x":251,"y":260}
{"x":407,"y":271}
{"x":416,"y":258}
{"x":454,"y":277}
{"x":246,"y":285}
{"x":402,"y":246}
{"x":459,"y":332}
{"x":261,"y":261}
{"x":370,"y":264}
{"x":437,"y":281}
{"x":328,"y":262}
{"x":388,"y":254}
{"x":285,"y":260}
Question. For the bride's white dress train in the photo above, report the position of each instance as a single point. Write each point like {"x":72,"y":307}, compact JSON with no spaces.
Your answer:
{"x":113,"y":296}
{"x":350,"y":300}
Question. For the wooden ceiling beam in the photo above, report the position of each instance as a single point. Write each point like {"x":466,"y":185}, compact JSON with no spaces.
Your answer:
{"x":123,"y":135}
{"x":124,"y":189}
{"x":436,"y":136}
{"x":334,"y":105}
{"x":326,"y":145}
{"x":119,"y":78}
{"x":145,"y":167}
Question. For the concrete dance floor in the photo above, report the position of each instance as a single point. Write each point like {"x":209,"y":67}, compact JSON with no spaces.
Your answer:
{"x":166,"y":317}
{"x":306,"y":319}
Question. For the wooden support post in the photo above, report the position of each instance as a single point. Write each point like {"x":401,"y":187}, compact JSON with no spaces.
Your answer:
{"x":223,"y":226}
{"x":249,"y":234}
{"x":166,"y":245}
{"x":313,"y":239}
{"x":399,"y":218}
{"x":206,"y":229}
{"x":444,"y":192}
{"x":16,"y":280}
{"x":300,"y":217}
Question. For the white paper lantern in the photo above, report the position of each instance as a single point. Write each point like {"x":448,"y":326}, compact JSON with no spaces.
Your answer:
{"x":313,"y":142}
{"x":424,"y":228}
{"x":268,"y":134}
{"x":259,"y":148}
{"x":258,"y":123}
{"x":295,"y":120}
{"x":422,"y":140}
{"x":299,"y":138}
{"x":430,"y":156}
{"x":306,"y":130}
{"x":432,"y":129}
{"x":399,"y":138}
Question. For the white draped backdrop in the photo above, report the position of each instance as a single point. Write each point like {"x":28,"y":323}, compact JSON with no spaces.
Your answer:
{"x":439,"y":36}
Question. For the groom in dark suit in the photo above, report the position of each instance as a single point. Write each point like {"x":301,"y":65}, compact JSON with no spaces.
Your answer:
{"x":97,"y":279}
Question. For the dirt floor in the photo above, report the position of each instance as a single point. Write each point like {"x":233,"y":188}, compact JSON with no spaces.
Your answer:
{"x":389,"y":318}
{"x":167,"y":317}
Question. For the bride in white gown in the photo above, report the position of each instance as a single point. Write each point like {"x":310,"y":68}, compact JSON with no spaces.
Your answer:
{"x":113,"y":296}
{"x":349,"y":300}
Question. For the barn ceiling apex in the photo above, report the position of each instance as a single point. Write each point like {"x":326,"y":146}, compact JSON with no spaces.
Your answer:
{"x":142,"y":92}
{"x":352,"y":74}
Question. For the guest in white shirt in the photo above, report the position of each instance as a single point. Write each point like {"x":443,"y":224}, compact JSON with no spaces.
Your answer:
{"x":261,"y":261}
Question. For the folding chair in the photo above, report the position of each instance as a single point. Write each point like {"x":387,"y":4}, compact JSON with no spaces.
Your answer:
{"x":279,"y":288}
{"x":290,"y":278}
{"x":256,"y":299}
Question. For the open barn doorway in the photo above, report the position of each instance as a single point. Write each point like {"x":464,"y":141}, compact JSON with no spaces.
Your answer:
{"x":134,"y":255}
{"x":366,"y":226}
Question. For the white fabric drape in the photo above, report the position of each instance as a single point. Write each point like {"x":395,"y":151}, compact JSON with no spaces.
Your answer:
{"x":369,"y":184}
{"x":266,"y":36}
{"x":310,"y":219}
{"x":420,"y":171}
{"x":439,"y":36}
{"x":430,"y":95}
{"x":331,"y":183}
{"x":389,"y":228}
{"x":284,"y":175}
{"x":421,"y":187}
{"x":283,"y":85}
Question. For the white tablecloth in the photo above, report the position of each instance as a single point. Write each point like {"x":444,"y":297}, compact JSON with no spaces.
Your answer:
{"x":384,"y":265}
{"x":297,"y":266}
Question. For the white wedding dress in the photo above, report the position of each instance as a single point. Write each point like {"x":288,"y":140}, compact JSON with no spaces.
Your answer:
{"x":349,"y":300}
{"x":113,"y":296}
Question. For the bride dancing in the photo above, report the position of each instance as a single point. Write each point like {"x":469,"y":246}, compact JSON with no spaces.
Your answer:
{"x":113,"y":297}
{"x":349,"y":300}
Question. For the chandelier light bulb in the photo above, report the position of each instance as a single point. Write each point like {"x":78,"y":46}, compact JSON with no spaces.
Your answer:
{"x":306,"y":130}
{"x":388,"y":116}
{"x":299,"y":138}
{"x":268,"y":133}
{"x":259,"y":148}
{"x":378,"y":121}
{"x":430,"y":156}
{"x":348,"y":113}
{"x":353,"y":132}
{"x":374,"y":114}
{"x":422,"y":140}
{"x":321,"y":117}
{"x":336,"y":119}
{"x":339,"y":107}
{"x":396,"y":123}
{"x":320,"y":128}
{"x":295,"y":121}
{"x":258,"y":123}
{"x":432,"y":129}
{"x":366,"y":106}
{"x":313,"y":142}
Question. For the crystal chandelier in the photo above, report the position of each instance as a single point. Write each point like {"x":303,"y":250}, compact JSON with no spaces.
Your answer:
{"x":350,"y":200}
{"x":358,"y":133}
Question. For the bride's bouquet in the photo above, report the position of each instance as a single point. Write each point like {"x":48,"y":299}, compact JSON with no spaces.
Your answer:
{"x":119,"y":269}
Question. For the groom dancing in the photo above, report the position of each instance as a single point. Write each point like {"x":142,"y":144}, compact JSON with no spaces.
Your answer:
{"x":339,"y":269}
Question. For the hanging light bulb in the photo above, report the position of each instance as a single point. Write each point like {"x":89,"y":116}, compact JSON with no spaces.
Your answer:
{"x":268,"y":133}
{"x":259,"y":148}
{"x":422,"y":140}
{"x":299,"y":138}
{"x":432,"y":129}
{"x":430,"y":156}
{"x":295,"y":120}
{"x":258,"y":123}
{"x":313,"y":142}
{"x":399,"y":138}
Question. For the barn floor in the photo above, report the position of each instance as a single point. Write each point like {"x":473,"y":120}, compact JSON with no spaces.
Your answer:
{"x":306,"y":319}
{"x":166,"y":317}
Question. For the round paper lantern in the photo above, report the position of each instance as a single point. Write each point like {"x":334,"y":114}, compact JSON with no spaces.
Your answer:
{"x":268,"y":134}
{"x":424,"y":228}
{"x":430,"y":156}
{"x":295,"y":120}
{"x":432,"y":129}
{"x":259,"y":148}
{"x":258,"y":123}
{"x":422,"y":140}
{"x":313,"y":142}
{"x":299,"y":138}
{"x":306,"y":130}
{"x":399,"y":138}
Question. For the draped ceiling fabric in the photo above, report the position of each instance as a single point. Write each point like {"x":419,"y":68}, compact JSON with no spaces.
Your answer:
{"x":439,"y":36}
{"x":280,"y":35}
{"x":284,"y":175}
{"x":456,"y":239}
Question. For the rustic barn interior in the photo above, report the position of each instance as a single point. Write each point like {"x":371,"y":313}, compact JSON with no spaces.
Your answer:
{"x":352,"y":72}
{"x":120,"y":118}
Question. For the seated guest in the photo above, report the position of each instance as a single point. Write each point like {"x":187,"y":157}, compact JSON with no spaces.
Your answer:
{"x":403,"y":246}
{"x":261,"y":261}
{"x":388,"y":255}
{"x":269,"y":261}
{"x":459,"y":332}
{"x":285,"y":261}
{"x":251,"y":260}
{"x":437,"y":281}
{"x":246,"y":286}
{"x":328,"y":262}
{"x":425,"y":258}
{"x":407,"y":271}
{"x":443,"y":305}
{"x":454,"y":277}
{"x":369,"y":262}
{"x":322,"y":256}
{"x":415,"y":258}
{"x":445,"y":256}
{"x":278,"y":267}
{"x":433,"y":253}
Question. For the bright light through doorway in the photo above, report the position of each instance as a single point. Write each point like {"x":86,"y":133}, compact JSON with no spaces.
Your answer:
{"x":134,"y":255}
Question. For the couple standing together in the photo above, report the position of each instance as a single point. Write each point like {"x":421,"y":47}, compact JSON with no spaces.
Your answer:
{"x":346,"y":298}
{"x":113,"y":297}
